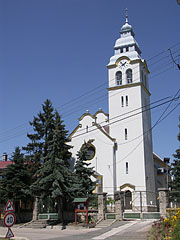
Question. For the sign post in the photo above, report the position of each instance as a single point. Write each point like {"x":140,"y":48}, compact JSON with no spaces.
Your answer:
{"x":9,"y":218}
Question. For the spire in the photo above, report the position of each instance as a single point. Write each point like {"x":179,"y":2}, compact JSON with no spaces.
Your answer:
{"x":126,"y":45}
{"x":126,"y":15}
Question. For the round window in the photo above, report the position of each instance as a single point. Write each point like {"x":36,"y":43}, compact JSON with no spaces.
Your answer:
{"x":90,"y":152}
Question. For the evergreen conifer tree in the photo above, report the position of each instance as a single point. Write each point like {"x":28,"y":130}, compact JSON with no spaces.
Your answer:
{"x":15,"y":181}
{"x":83,"y":185}
{"x":53,"y":176}
{"x":175,"y":172}
{"x":43,"y":126}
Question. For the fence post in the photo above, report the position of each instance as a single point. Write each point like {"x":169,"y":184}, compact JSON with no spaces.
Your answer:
{"x":118,"y":205}
{"x":101,"y":205}
{"x":163,"y":201}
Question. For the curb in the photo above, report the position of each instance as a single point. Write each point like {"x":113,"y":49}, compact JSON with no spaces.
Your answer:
{"x":17,"y":238}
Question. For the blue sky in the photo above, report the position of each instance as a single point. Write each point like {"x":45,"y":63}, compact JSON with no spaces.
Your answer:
{"x":59,"y":49}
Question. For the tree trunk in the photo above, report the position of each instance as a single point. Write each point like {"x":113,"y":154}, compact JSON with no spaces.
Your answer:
{"x":17,"y":211}
{"x":60,"y":211}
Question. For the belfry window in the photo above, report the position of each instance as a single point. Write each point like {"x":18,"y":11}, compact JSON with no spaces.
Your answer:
{"x":127,"y":168}
{"x":122,"y":101}
{"x":126,"y":101}
{"x":119,"y":78}
{"x":125,"y":134}
{"x":127,"y":49}
{"x":129,"y":75}
{"x":121,"y":50}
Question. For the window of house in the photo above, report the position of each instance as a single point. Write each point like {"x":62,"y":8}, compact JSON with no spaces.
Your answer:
{"x":126,"y":101}
{"x":127,"y":168}
{"x":129,"y":75}
{"x":122,"y":101}
{"x":119,"y":78}
{"x":87,"y":128}
{"x":125,"y":132}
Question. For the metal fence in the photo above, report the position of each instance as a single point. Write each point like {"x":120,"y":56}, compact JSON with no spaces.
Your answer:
{"x":174,"y":199}
{"x":136,"y":201}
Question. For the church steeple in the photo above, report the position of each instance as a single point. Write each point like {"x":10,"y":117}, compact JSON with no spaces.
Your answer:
{"x":126,"y":45}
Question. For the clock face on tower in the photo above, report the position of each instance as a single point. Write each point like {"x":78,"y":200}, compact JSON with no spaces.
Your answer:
{"x":123,"y":64}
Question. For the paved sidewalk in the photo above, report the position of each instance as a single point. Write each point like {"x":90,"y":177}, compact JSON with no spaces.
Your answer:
{"x":122,"y":230}
{"x":42,"y":234}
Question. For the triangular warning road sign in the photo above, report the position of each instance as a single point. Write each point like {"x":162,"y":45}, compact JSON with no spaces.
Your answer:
{"x":9,"y":233}
{"x":9,"y":207}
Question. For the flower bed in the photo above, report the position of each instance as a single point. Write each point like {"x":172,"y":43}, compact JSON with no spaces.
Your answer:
{"x":168,"y":228}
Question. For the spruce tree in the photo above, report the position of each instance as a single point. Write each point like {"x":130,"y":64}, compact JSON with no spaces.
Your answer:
{"x":53,"y":176}
{"x":175,"y":172}
{"x":83,"y":185}
{"x":43,"y":125}
{"x":15,"y":181}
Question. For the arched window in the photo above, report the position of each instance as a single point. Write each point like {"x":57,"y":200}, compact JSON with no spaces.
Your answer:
{"x":129,"y":75}
{"x":119,"y":78}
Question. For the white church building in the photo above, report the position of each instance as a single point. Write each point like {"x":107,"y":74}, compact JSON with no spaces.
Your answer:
{"x":120,"y":142}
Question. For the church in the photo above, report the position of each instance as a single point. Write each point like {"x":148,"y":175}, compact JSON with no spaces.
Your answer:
{"x":120,"y":142}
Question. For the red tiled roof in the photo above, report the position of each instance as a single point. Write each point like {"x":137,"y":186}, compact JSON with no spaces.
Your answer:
{"x":4,"y":164}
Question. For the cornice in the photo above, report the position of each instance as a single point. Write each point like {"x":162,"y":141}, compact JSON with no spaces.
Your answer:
{"x":130,"y":61}
{"x":105,"y":133}
{"x":127,"y":185}
{"x":86,"y":114}
{"x":74,"y":131}
{"x":101,"y":111}
{"x":130,"y":85}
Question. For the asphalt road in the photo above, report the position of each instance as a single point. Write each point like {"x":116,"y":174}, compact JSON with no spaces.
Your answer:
{"x":123,"y":230}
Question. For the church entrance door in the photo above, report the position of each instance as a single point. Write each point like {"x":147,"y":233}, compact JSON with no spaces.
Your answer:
{"x":128,"y":200}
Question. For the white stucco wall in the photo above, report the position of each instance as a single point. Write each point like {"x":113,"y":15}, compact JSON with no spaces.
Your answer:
{"x":137,"y":149}
{"x":104,"y":149}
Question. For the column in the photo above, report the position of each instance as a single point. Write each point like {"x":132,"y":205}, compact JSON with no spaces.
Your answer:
{"x":163,"y":201}
{"x":118,"y":205}
{"x":101,"y":205}
{"x":35,"y":209}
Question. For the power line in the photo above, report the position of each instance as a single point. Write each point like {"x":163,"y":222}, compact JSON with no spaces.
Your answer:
{"x":94,"y":89}
{"x":67,"y":113}
{"x":160,"y":100}
{"x":160,"y":119}
{"x":142,"y":139}
{"x":129,"y":116}
{"x":82,"y":106}
{"x":178,"y":65}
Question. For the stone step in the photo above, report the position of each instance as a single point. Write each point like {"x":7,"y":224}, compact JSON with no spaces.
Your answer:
{"x":105,"y":223}
{"x":36,"y":224}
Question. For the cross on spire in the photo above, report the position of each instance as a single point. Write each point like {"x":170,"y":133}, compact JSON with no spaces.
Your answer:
{"x":126,"y":15}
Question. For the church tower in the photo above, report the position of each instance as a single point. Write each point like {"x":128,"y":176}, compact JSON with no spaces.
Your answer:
{"x":130,"y":118}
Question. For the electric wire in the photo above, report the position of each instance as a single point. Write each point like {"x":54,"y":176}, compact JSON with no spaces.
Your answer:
{"x":160,"y":100}
{"x":129,"y":116}
{"x":81,"y":96}
{"x":160,"y":119}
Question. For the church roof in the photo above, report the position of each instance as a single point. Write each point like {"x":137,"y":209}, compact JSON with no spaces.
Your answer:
{"x":104,"y":129}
